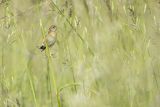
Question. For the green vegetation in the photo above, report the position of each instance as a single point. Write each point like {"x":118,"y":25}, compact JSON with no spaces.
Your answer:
{"x":107,"y":53}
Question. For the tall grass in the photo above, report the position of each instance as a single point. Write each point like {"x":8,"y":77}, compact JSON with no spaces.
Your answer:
{"x":106,"y":54}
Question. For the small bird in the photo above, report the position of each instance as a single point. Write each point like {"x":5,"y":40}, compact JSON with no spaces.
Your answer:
{"x":50,"y":38}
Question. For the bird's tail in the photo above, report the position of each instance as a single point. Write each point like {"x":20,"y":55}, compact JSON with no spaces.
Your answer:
{"x":42,"y":48}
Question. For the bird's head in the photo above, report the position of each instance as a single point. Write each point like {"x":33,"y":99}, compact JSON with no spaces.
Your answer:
{"x":52,"y":28}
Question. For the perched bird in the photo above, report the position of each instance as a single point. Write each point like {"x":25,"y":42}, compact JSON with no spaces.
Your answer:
{"x":49,"y":39}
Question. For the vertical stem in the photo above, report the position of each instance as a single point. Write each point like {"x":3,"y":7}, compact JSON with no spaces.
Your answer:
{"x":49,"y":83}
{"x":53,"y":75}
{"x":49,"y":67}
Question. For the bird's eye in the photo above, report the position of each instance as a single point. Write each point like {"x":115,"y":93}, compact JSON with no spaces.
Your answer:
{"x":53,"y":27}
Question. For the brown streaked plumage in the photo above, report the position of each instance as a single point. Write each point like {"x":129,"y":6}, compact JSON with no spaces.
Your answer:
{"x":50,"y":38}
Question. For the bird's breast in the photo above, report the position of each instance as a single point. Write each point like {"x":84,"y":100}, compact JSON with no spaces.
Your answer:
{"x":51,"y":40}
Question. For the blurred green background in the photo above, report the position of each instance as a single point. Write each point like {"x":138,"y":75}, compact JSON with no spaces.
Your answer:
{"x":106,"y":55}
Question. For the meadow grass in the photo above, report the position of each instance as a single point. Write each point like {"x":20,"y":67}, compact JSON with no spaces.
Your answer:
{"x":106,"y":54}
